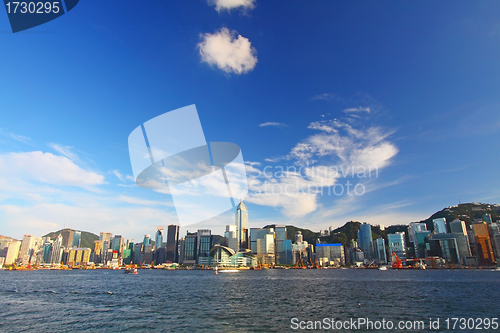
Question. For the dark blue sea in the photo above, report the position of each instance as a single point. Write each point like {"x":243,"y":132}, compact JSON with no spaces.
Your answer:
{"x":246,"y":301}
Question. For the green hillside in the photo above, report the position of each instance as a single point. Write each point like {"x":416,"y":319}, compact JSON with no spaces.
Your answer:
{"x":87,"y":238}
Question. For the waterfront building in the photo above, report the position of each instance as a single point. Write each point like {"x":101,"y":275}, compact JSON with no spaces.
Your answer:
{"x":445,"y":245}
{"x":397,"y":244}
{"x":232,"y":237}
{"x":172,"y":253}
{"x":148,"y":254}
{"x":266,"y":248}
{"x":496,"y":238}
{"x":117,"y":243}
{"x":242,"y":225}
{"x":365,"y":240}
{"x":244,"y":258}
{"x":137,"y":260}
{"x":379,"y":248}
{"x":420,"y":247}
{"x":78,"y":256}
{"x":300,"y":249}
{"x":439,"y":225}
{"x":29,"y":248}
{"x":77,"y":237}
{"x":105,"y":237}
{"x":487,"y":218}
{"x":190,"y":250}
{"x":12,"y":252}
{"x":67,"y":235}
{"x":413,"y":228}
{"x":182,"y":246}
{"x":158,"y":237}
{"x":330,"y":254}
{"x":458,"y":227}
{"x":146,"y":241}
{"x":57,"y":250}
{"x":204,"y":244}
{"x":220,"y":256}
{"x":46,"y":252}
{"x":484,"y":249}
{"x":283,"y":246}
{"x":255,"y":233}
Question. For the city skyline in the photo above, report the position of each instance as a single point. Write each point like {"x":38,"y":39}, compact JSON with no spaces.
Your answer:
{"x":412,"y":98}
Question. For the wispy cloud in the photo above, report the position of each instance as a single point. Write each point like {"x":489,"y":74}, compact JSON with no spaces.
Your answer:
{"x":274,"y":124}
{"x":21,"y":138}
{"x":228,"y":51}
{"x":228,"y":5}
{"x":326,"y":97}
{"x":66,"y":151}
{"x":358,"y":109}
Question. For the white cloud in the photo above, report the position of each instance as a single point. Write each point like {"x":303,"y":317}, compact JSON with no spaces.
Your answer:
{"x":358,"y":109}
{"x":65,"y":151}
{"x":21,"y":138}
{"x":319,"y":162}
{"x":47,"y":168}
{"x":326,"y":97}
{"x":229,"y":51}
{"x":271,"y":123}
{"x":231,"y":4}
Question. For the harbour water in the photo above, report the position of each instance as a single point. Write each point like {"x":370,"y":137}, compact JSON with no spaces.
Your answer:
{"x":245,"y":301}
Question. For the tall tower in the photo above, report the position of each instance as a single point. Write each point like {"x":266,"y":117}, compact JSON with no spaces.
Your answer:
{"x":159,"y":237}
{"x":242,"y":225}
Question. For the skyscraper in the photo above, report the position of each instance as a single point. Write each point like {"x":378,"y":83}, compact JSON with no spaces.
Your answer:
{"x":439,"y":225}
{"x":379,"y":247}
{"x":67,"y":235}
{"x":365,"y":240}
{"x":204,"y":245}
{"x":172,"y":243}
{"x":232,"y":238}
{"x":77,"y":236}
{"x":397,"y":244}
{"x":159,"y":237}
{"x":242,"y":225}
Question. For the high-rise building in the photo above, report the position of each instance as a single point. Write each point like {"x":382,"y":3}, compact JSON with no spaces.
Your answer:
{"x":497,"y":246}
{"x":146,"y":241}
{"x":397,"y":244}
{"x":117,"y":243}
{"x":439,"y":225}
{"x":158,"y":237}
{"x":12,"y":252}
{"x":204,"y":245}
{"x":419,"y":243}
{"x":77,"y":237}
{"x":79,"y":255}
{"x":284,"y":254}
{"x":458,"y":227}
{"x":190,"y":250}
{"x":330,"y":254}
{"x":484,"y":249}
{"x":379,"y":247}
{"x":365,"y":240}
{"x":67,"y":235}
{"x":57,"y":250}
{"x":487,"y":218}
{"x":242,"y":225}
{"x":172,"y":243}
{"x":232,"y":237}
{"x":413,"y":228}
{"x":29,"y":247}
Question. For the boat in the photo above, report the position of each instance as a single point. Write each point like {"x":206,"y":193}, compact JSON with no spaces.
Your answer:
{"x":216,"y":270}
{"x":496,"y":269}
{"x":229,"y":271}
{"x":130,"y":270}
{"x":382,"y":268}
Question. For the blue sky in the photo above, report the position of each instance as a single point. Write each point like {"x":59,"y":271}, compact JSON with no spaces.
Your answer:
{"x":411,"y":88}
